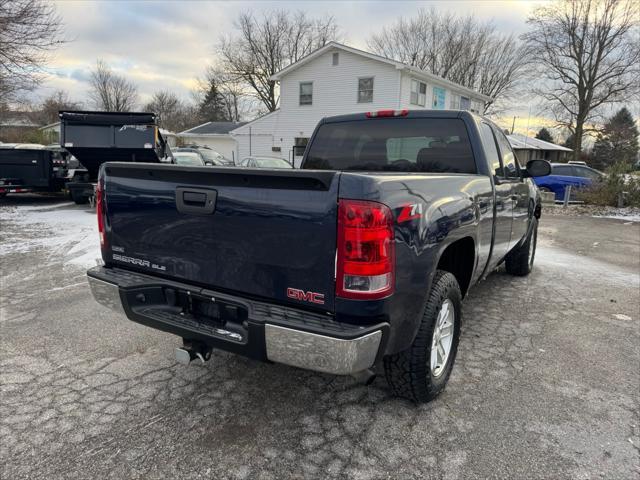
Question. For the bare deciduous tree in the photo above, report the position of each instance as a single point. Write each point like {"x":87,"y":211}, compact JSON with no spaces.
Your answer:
{"x":59,"y":100}
{"x":264,"y":46}
{"x":589,"y":54}
{"x":111,"y":92}
{"x":235,"y":100}
{"x":29,"y":31}
{"x":170,"y":111}
{"x":460,"y":49}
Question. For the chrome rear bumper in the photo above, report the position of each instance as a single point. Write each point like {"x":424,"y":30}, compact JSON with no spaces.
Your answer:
{"x":280,"y":344}
{"x":106,"y":294}
{"x":321,"y":353}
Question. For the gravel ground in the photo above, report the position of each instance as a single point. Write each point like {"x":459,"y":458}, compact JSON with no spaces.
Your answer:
{"x":546,"y":384}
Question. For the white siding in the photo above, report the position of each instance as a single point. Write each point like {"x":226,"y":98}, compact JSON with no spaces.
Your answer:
{"x":256,"y":138}
{"x":257,"y":145}
{"x":223,"y":144}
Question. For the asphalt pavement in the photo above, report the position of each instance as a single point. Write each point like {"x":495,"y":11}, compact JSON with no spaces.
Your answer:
{"x":546,"y":383}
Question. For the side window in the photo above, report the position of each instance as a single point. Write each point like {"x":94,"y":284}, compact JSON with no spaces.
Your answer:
{"x":491,"y":150}
{"x":365,"y":90}
{"x":418,"y":93}
{"x":565,"y":170}
{"x":306,"y":93}
{"x":507,"y":155}
{"x":586,"y":173}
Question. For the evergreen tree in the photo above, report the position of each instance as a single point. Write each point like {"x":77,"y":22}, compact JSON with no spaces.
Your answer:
{"x":617,"y":142}
{"x":570,"y":142}
{"x":545,"y":135}
{"x":211,"y":107}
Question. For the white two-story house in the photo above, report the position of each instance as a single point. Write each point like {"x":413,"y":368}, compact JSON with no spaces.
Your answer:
{"x":335,"y":80}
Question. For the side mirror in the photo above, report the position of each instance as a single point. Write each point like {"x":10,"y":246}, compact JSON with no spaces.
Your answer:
{"x":537,"y":168}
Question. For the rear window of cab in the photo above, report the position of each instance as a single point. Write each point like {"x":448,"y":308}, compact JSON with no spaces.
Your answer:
{"x":431,"y":145}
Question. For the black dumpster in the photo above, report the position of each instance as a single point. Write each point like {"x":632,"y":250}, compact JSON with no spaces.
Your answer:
{"x":25,"y":170}
{"x":98,"y":137}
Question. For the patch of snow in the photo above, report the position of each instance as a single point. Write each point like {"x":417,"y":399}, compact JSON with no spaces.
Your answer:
{"x":46,"y":207}
{"x":566,"y":261}
{"x":69,"y":233}
{"x":628,"y":214}
{"x":626,"y":218}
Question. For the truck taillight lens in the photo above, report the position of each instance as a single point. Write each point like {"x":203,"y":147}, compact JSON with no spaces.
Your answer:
{"x":100,"y":214}
{"x":365,"y":252}
{"x":387,"y":113}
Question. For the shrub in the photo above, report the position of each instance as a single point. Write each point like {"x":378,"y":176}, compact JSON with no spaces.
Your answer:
{"x":607,"y":191}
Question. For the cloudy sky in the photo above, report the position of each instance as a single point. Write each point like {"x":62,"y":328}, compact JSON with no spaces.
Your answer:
{"x":166,"y":45}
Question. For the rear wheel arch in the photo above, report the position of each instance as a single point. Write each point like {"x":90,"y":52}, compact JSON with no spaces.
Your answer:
{"x":459,"y":259}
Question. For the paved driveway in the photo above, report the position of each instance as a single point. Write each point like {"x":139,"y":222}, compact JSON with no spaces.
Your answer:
{"x":546,"y":383}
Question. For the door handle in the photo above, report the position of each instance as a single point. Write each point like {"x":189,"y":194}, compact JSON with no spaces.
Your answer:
{"x":196,"y":201}
{"x":194,"y":198}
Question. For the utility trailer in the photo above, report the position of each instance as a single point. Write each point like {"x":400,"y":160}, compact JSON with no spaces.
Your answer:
{"x":27,"y":168}
{"x":98,"y":137}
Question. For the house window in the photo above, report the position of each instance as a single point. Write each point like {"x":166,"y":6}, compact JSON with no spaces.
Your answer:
{"x":306,"y":93}
{"x":455,"y":102}
{"x":438,"y":98}
{"x":300,"y":143}
{"x":365,"y":90}
{"x":418,"y":93}
{"x":465,"y":103}
{"x":477,"y":107}
{"x":336,"y":58}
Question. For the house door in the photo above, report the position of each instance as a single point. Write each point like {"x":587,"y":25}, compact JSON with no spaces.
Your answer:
{"x":299,"y":146}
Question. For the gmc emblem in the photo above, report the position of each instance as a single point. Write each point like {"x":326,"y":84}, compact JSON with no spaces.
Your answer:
{"x":303,"y":296}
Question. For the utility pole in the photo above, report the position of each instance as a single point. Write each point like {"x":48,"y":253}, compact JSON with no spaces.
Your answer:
{"x":513,"y":125}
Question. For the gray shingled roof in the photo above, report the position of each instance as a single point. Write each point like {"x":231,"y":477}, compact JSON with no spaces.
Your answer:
{"x":522,"y":142}
{"x":214,"y":128}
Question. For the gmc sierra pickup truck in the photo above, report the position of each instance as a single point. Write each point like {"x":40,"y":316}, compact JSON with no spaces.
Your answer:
{"x":356,"y":262}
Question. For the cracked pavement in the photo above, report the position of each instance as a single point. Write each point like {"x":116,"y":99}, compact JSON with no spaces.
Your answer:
{"x":546,"y":383}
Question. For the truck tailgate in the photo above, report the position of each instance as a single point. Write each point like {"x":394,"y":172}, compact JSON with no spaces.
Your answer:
{"x":263,"y":233}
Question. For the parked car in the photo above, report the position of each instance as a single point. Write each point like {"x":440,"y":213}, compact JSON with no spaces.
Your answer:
{"x":181,"y":157}
{"x":563,"y":174}
{"x":265,"y":162}
{"x":357,"y":262}
{"x":211,"y":157}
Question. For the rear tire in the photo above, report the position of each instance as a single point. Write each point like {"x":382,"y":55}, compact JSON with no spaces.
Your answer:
{"x":411,"y":373}
{"x":78,"y":198}
{"x":520,"y":261}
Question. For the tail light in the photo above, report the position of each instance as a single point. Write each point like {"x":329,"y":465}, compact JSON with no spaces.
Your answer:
{"x":100,"y":213}
{"x":365,"y":261}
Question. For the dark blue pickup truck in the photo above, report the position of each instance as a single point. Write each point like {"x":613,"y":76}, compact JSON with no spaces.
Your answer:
{"x":356,"y":262}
